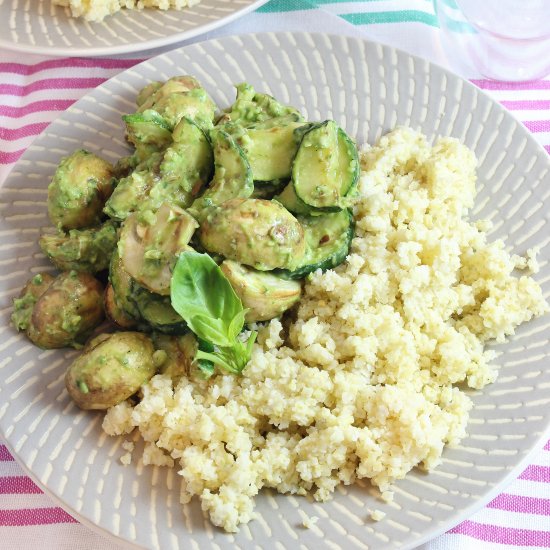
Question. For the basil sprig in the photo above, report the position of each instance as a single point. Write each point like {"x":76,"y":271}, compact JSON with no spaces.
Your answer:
{"x":205,"y":299}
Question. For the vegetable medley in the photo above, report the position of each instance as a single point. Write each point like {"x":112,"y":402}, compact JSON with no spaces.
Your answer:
{"x":208,"y":227}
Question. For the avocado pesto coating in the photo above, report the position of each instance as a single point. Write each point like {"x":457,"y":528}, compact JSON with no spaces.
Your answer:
{"x":111,"y":368}
{"x":178,"y":97}
{"x":87,"y":250}
{"x":251,"y":107}
{"x":78,"y":190}
{"x":249,"y":191}
{"x":67,"y":312}
{"x":255,"y":232}
{"x":24,"y":304}
{"x":232,"y":174}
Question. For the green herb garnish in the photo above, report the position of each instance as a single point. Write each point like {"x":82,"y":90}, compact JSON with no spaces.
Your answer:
{"x":205,"y":299}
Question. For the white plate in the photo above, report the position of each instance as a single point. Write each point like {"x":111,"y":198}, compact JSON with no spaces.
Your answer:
{"x":369,"y":89}
{"x":38,"y":26}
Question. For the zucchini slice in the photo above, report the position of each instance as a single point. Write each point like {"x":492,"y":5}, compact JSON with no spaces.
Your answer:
{"x":326,"y":167}
{"x":291,"y":202}
{"x":270,"y":151}
{"x":114,"y":312}
{"x":232,"y":175}
{"x":186,"y":167}
{"x":328,"y":240}
{"x":157,"y":311}
{"x":148,"y":128}
{"x":121,"y":284}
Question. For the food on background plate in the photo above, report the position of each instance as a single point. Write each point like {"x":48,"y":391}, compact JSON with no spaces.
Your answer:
{"x":289,"y":317}
{"x":97,"y":10}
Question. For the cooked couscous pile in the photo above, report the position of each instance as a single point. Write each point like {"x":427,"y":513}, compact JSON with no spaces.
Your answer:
{"x":360,"y":384}
{"x":97,"y":10}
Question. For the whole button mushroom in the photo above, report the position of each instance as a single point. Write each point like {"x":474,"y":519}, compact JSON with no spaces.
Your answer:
{"x":111,"y":368}
{"x":67,"y":312}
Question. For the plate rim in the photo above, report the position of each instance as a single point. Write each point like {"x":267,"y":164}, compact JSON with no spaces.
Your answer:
{"x":132,"y":47}
{"x":476,"y":504}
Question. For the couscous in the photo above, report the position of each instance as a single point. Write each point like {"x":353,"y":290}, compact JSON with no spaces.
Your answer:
{"x":361,"y":381}
{"x":97,"y":10}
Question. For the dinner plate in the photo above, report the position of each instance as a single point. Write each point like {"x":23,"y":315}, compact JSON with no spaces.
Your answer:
{"x":368,"y":89}
{"x":40,"y":27}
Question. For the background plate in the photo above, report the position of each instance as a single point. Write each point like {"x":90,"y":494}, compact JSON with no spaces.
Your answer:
{"x":368,"y":89}
{"x":38,"y":26}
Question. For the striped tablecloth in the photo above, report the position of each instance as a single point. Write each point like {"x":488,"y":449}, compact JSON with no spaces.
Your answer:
{"x":34,"y":90}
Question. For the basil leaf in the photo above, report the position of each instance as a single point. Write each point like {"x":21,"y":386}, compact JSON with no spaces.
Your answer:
{"x":212,"y":330}
{"x":200,"y":288}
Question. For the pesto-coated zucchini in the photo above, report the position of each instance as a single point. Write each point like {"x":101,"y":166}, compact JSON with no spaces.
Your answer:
{"x":270,"y":151}
{"x":157,"y":311}
{"x":232,"y":175}
{"x":326,"y":167}
{"x":328,"y":240}
{"x":148,"y":129}
{"x":186,"y":167}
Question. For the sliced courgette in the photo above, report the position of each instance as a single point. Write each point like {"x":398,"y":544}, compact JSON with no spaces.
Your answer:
{"x":115,"y":313}
{"x":186,"y":167}
{"x":291,"y":202}
{"x":270,"y":151}
{"x":148,"y":128}
{"x":328,"y":240}
{"x":232,"y":175}
{"x":326,"y":167}
{"x":121,"y":284}
{"x":157,"y":311}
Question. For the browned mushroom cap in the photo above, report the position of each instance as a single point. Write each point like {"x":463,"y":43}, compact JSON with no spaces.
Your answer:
{"x":67,"y":312}
{"x":255,"y":232}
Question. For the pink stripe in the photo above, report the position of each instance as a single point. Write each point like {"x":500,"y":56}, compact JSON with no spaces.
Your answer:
{"x":34,"y":516}
{"x":10,"y":158}
{"x":36,"y":107}
{"x":521,"y":504}
{"x":547,"y":446}
{"x":18,"y":68}
{"x":5,"y":454}
{"x":50,"y":84}
{"x":527,"y":104}
{"x":538,"y":125}
{"x":9,"y":134}
{"x":494,"y":85}
{"x":503,"y":535}
{"x":18,"y":485}
{"x":536,"y":473}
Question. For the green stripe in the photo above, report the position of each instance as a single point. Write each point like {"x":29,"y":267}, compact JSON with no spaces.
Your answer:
{"x":276,"y":6}
{"x":405,"y":16}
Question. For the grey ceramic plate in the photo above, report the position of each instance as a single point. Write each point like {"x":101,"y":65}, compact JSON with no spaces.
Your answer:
{"x":38,"y":26}
{"x":369,"y":89}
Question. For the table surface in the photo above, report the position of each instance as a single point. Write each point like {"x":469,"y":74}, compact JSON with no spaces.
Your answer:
{"x":34,"y":90}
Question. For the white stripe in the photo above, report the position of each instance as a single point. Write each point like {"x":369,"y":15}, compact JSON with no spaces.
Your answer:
{"x":10,"y":468}
{"x":21,"y":502}
{"x":463,"y":542}
{"x":514,"y":520}
{"x":526,"y":488}
{"x":71,"y":536}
